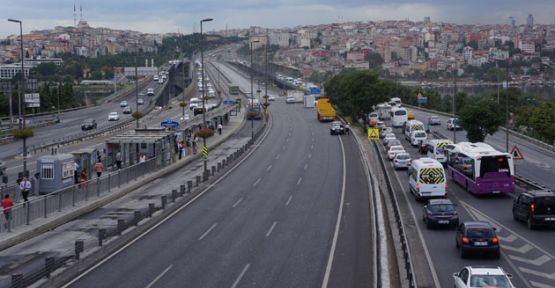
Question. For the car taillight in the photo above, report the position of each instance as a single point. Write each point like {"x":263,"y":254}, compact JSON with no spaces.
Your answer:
{"x":446,"y":185}
{"x":465,"y":240}
{"x":495,"y":240}
{"x":532,"y":207}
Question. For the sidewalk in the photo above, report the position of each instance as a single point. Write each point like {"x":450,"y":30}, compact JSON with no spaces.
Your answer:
{"x":122,"y":205}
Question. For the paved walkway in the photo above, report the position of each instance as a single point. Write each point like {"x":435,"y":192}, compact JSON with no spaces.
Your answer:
{"x":149,"y":189}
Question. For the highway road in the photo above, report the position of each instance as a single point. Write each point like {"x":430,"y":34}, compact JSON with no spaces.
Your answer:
{"x":527,"y":254}
{"x":538,"y":164}
{"x":269,"y":223}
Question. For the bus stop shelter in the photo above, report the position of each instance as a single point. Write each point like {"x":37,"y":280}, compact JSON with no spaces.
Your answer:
{"x":156,"y":143}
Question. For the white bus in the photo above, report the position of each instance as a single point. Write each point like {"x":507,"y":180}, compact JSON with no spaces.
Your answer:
{"x":396,"y":101}
{"x":398,"y":116}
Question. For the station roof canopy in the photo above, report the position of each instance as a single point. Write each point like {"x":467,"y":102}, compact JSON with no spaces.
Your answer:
{"x":150,"y":135}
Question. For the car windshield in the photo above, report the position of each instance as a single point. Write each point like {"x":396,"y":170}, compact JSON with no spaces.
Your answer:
{"x":544,"y":202}
{"x":397,"y":148}
{"x":441,"y":208}
{"x":479,"y":233}
{"x":498,"y":281}
{"x":402,"y":156}
{"x":394,"y":142}
{"x":389,"y":135}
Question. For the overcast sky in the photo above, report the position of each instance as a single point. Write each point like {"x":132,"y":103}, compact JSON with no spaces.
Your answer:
{"x":161,"y":16}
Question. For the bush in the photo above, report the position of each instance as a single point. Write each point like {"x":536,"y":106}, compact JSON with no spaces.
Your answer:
{"x":204,"y":133}
{"x":23,"y":133}
{"x":183,"y":104}
{"x":137,"y":115}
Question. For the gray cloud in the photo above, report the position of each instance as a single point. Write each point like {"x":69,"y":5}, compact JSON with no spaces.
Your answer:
{"x":171,"y":15}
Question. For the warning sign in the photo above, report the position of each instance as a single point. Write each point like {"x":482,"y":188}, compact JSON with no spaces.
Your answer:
{"x":373,"y":134}
{"x":517,"y":155}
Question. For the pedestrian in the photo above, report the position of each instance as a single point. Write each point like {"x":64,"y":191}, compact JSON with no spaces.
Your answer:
{"x":83,"y":179}
{"x":75,"y":172}
{"x":99,"y":168}
{"x":220,"y":128}
{"x":347,"y":128}
{"x":25,"y":188}
{"x":179,"y":150}
{"x":142,"y":158}
{"x":118,"y":160}
{"x":195,"y":141}
{"x":7,"y":204}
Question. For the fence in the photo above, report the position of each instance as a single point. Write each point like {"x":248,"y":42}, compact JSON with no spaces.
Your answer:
{"x":50,"y":204}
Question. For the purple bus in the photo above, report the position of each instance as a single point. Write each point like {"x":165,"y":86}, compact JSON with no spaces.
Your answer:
{"x":480,"y":169}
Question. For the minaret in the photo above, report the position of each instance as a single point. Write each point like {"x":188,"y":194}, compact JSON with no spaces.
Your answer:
{"x":74,"y":16}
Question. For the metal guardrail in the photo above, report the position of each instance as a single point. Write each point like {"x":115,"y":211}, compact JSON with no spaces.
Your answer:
{"x":397,"y":212}
{"x":24,"y":213}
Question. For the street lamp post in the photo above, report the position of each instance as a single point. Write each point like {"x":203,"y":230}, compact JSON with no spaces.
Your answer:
{"x":203,"y":91}
{"x":252,"y":90}
{"x":136,"y":94}
{"x":21,"y":91}
{"x":455,"y":122}
{"x":507,"y":109}
{"x":267,"y":77}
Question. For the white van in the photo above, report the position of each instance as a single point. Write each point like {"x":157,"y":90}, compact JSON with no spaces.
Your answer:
{"x":195,"y":103}
{"x":398,"y":116}
{"x":418,"y":136}
{"x":427,"y":178}
{"x":411,"y":126}
{"x":436,"y":149}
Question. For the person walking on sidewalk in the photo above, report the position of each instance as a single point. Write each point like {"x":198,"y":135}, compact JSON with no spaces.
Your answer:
{"x":142,"y":158}
{"x":83,"y":179}
{"x":220,"y":128}
{"x":25,"y":188}
{"x":195,"y":141}
{"x":99,"y":168}
{"x":118,"y":160}
{"x":7,"y":204}
{"x":347,"y":128}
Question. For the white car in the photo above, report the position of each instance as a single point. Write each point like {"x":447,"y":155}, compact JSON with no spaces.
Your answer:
{"x":150,"y":92}
{"x":271,"y":98}
{"x":113,"y":116}
{"x":394,"y":150}
{"x":290,"y":99}
{"x":387,"y":137}
{"x":482,"y":276}
{"x":140,"y":101}
{"x":123,"y":104}
{"x":452,"y":124}
{"x":402,"y":160}
{"x":417,"y":137}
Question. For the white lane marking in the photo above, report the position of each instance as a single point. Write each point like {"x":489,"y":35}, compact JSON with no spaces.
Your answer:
{"x":271,"y":229}
{"x":286,"y":139}
{"x":311,"y":146}
{"x":163,"y":220}
{"x":420,"y":235}
{"x":256,"y":182}
{"x":289,"y":200}
{"x":537,"y":273}
{"x":13,"y":167}
{"x":540,"y":285}
{"x":208,"y":231}
{"x":309,"y":155}
{"x":509,"y":239}
{"x":159,"y":276}
{"x":277,"y":156}
{"x":337,"y":220}
{"x":283,"y":147}
{"x":312,"y":139}
{"x":269,"y":168}
{"x":299,"y":181}
{"x":305,"y":166}
{"x":524,"y":249}
{"x":237,"y":202}
{"x":536,"y":262}
{"x":241,"y":275}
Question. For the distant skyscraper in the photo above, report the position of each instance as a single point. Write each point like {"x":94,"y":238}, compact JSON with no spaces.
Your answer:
{"x":530,"y":21}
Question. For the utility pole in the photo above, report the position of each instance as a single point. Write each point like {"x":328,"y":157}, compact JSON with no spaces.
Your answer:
{"x":507,"y":109}
{"x":202,"y":68}
{"x":136,"y":94}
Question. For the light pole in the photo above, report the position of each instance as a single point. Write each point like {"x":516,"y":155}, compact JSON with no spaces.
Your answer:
{"x":507,"y":109}
{"x":455,"y":122}
{"x":21,"y":91}
{"x":136,"y":94}
{"x":267,"y":77}
{"x":203,"y":92}
{"x":252,"y":91}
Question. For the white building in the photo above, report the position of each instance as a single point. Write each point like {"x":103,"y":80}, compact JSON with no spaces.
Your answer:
{"x":467,"y":53}
{"x":8,"y":71}
{"x":280,"y":38}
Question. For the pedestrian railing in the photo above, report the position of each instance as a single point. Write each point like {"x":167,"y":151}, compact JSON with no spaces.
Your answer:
{"x":24,"y":213}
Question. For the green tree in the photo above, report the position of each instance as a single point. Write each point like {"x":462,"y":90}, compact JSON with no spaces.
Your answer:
{"x":480,"y":118}
{"x":539,"y":120}
{"x":375,"y":60}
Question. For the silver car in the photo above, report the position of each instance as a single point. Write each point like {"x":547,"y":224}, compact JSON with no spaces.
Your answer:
{"x":402,"y":161}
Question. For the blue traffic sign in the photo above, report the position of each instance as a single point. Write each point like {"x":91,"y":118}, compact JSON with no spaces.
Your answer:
{"x":169,"y":123}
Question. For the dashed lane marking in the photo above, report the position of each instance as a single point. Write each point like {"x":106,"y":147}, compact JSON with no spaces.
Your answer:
{"x":237,"y":202}
{"x":299,"y":181}
{"x":256,"y":182}
{"x":269,"y":168}
{"x":271,"y":229}
{"x":159,"y":277}
{"x":277,"y":156}
{"x":245,"y":269}
{"x":305,"y":166}
{"x":208,"y":231}
{"x":289,"y":200}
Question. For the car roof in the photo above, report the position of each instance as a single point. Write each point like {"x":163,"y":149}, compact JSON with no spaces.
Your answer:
{"x":540,"y":193}
{"x":477,"y":224}
{"x":439,"y":202}
{"x":486,"y":270}
{"x":404,"y":153}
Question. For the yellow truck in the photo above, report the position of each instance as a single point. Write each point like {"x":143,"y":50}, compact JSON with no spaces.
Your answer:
{"x":325,"y":111}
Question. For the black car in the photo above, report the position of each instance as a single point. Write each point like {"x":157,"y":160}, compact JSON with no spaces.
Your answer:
{"x":477,"y":237}
{"x":337,"y":128}
{"x":537,"y":208}
{"x":198,"y":110}
{"x":440,"y":212}
{"x":88,"y":124}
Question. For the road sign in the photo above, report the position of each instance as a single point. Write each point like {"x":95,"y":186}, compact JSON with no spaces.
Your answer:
{"x":373,"y":134}
{"x":517,"y":155}
{"x":204,"y":152}
{"x":32,"y":100}
{"x":169,"y":123}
